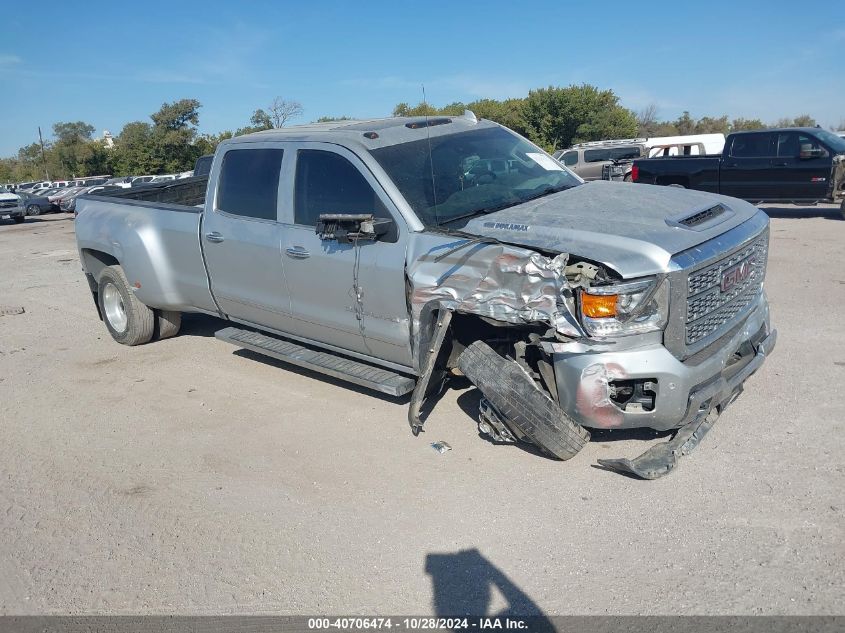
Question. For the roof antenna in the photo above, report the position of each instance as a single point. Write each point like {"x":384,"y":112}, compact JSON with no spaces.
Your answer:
{"x":430,"y":159}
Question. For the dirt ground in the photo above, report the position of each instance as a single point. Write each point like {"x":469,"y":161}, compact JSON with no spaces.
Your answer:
{"x":188,"y":477}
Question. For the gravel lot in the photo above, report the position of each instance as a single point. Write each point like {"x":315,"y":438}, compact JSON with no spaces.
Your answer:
{"x":188,"y":477}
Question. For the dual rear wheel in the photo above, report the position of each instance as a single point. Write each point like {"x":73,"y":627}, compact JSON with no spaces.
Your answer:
{"x":129,"y":321}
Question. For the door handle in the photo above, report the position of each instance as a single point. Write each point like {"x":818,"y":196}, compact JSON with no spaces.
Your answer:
{"x":776,"y":164}
{"x":731,"y":165}
{"x":297,"y":252}
{"x":214,"y":236}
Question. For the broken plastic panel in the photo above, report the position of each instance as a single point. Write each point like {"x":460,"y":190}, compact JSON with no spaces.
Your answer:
{"x":504,"y":283}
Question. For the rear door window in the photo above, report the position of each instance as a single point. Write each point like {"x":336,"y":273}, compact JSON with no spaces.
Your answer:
{"x":570,"y":158}
{"x":754,"y":145}
{"x":249,"y":183}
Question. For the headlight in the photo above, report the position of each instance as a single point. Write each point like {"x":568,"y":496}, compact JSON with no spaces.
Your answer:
{"x":627,"y":308}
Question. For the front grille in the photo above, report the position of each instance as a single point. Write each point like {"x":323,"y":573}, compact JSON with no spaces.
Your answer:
{"x":8,"y":204}
{"x":718,"y":294}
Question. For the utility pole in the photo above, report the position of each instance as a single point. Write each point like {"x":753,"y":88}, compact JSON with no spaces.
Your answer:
{"x":43,"y":158}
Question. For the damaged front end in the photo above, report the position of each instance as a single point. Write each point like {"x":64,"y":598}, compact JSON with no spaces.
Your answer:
{"x":510,"y":300}
{"x":573,"y":346}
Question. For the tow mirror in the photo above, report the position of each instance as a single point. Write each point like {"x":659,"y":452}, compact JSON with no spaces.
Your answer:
{"x":347,"y":228}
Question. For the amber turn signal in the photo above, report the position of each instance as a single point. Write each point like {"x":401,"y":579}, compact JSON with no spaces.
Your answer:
{"x":598,"y":306}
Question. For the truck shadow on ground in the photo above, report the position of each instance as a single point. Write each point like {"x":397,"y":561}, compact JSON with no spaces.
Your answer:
{"x":797,"y":213}
{"x":463,"y":584}
{"x":203,"y":325}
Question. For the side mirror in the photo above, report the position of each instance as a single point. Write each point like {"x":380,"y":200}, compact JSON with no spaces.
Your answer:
{"x":352,"y":227}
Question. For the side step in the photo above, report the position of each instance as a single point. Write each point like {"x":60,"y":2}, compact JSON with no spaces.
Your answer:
{"x":355,"y":371}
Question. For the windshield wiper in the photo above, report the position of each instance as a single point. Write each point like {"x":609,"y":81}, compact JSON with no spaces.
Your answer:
{"x":471,"y":239}
{"x":482,"y":211}
{"x":547,"y":192}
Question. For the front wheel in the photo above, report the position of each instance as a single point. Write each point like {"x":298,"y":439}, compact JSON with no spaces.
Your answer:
{"x":128,"y":320}
{"x":510,"y":389}
{"x":842,"y":209}
{"x":19,"y":219}
{"x":33,"y":209}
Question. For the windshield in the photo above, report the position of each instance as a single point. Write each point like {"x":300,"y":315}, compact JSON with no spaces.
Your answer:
{"x":470,"y":173}
{"x":836,"y":143}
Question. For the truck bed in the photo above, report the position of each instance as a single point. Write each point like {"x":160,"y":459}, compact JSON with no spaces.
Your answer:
{"x":186,"y":191}
{"x":691,"y":172}
{"x":153,"y":232}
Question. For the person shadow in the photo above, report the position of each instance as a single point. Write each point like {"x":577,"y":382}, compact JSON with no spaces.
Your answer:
{"x":463,"y":585}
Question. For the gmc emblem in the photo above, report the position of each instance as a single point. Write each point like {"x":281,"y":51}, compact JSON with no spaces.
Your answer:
{"x":737,"y":274}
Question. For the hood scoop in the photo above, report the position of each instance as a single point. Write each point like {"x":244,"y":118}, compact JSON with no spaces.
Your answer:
{"x":702,"y":219}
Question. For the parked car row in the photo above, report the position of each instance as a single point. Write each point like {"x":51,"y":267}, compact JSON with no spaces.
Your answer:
{"x":613,"y":159}
{"x":792,"y":165}
{"x":90,"y":181}
{"x":797,"y":165}
{"x":34,"y":198}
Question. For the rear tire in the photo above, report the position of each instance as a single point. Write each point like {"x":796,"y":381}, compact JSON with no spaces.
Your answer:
{"x":842,"y":209}
{"x":168,"y":323}
{"x":33,"y":209}
{"x":129,"y":321}
{"x":512,"y":391}
{"x":18,"y":219}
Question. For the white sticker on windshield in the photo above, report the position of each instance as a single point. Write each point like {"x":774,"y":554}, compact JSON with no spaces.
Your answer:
{"x":544,"y":161}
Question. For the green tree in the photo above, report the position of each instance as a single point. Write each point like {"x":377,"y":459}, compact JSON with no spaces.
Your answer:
{"x":207,"y":143}
{"x":685,"y":124}
{"x":558,"y":117}
{"x":172,"y":136}
{"x":132,"y":154}
{"x":72,"y":132}
{"x":261,"y":120}
{"x":740,"y":124}
{"x":709,"y":125}
{"x":802,"y":120}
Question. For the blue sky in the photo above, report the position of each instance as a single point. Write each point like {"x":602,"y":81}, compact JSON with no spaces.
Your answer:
{"x":112,"y":63}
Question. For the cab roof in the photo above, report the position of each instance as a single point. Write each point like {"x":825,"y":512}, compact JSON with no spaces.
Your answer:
{"x":371,"y":133}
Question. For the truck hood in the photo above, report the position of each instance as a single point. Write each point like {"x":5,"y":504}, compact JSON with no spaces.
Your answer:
{"x":633,"y":229}
{"x":5,"y":197}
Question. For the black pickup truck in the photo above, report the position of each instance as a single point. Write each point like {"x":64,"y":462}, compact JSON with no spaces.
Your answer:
{"x":800,"y":165}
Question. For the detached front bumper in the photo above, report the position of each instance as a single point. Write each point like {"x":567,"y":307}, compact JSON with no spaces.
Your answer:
{"x":590,"y":377}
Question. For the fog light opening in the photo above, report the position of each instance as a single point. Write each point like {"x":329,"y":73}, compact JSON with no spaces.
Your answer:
{"x":634,"y":396}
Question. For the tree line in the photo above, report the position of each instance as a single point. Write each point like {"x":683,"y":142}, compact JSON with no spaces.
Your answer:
{"x":553,"y":118}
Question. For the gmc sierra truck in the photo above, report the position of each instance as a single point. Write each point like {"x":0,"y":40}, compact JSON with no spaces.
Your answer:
{"x":400,"y":253}
{"x":799,"y":165}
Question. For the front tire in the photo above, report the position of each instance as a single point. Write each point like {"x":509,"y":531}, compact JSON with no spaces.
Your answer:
{"x":18,"y":219}
{"x":512,"y":391}
{"x":128,"y":320}
{"x":842,"y":209}
{"x":33,"y":209}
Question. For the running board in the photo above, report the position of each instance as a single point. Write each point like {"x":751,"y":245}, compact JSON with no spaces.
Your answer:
{"x":355,"y":371}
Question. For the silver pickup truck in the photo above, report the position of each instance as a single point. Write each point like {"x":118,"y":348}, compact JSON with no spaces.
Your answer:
{"x":402,"y":253}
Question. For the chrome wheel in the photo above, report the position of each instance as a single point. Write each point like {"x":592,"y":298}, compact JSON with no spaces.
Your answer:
{"x":33,"y":209}
{"x":114,"y":308}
